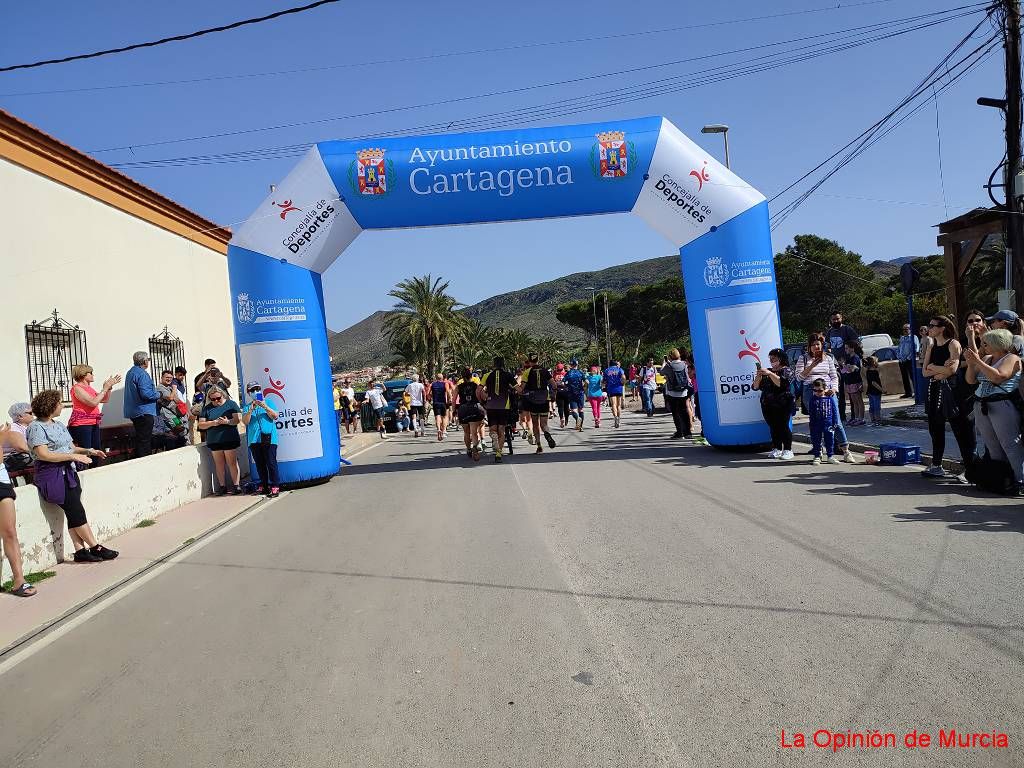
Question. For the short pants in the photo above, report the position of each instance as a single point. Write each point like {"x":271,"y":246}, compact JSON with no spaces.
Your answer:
{"x":497,"y":417}
{"x":7,"y":492}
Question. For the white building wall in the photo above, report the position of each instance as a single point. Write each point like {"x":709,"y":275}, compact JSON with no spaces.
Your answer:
{"x":119,"y":278}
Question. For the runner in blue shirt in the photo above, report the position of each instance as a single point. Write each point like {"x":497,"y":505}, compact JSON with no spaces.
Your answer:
{"x":595,"y":393}
{"x":614,"y":382}
{"x":574,"y":383}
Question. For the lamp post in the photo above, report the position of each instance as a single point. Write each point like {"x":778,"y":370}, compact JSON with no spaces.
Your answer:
{"x":724,"y":130}
{"x":593,"y":299}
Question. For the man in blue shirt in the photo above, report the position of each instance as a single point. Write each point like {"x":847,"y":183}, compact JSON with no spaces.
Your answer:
{"x":906,"y":353}
{"x":614,"y":381}
{"x":574,"y":386}
{"x":140,"y":398}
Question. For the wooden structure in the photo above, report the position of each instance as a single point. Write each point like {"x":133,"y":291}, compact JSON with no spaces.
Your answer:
{"x":962,"y":239}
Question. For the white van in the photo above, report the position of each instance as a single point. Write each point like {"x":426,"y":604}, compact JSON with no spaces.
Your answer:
{"x":875,"y":341}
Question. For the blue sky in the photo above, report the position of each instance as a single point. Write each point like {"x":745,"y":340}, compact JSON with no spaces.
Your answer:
{"x":782,"y":122}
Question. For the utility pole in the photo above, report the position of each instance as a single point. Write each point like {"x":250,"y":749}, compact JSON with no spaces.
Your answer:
{"x":607,"y":332}
{"x":1014,"y":225}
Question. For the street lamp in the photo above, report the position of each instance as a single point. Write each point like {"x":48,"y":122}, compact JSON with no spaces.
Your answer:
{"x":724,"y":130}
{"x":593,"y":298}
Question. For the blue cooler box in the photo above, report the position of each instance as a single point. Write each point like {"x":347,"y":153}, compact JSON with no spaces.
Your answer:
{"x":899,"y":453}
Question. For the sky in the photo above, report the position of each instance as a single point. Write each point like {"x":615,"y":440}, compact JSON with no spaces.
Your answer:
{"x":369,"y":67}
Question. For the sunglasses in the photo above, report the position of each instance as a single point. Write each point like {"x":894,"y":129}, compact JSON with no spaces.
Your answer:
{"x":216,"y":399}
{"x":973,"y":320}
{"x":936,"y":325}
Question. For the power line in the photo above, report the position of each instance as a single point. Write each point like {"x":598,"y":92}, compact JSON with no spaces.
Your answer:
{"x":854,"y":37}
{"x":442,"y":55}
{"x":174,"y":39}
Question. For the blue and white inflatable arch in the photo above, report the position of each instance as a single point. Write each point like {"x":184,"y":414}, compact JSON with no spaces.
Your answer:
{"x":646,"y":166}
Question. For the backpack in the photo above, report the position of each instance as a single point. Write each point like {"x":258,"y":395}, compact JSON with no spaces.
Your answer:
{"x":678,"y":381}
{"x":991,"y":475}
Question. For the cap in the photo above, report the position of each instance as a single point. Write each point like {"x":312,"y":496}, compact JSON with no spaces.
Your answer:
{"x":1006,"y":315}
{"x":574,"y":362}
{"x":252,"y":385}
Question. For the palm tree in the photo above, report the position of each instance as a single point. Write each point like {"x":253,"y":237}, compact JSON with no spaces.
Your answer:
{"x":474,"y":347}
{"x":424,"y":320}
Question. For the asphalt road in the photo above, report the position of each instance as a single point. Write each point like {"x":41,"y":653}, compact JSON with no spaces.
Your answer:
{"x":623,"y":600}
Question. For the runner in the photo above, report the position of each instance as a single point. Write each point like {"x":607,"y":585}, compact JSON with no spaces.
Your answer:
{"x":614,"y":381}
{"x":471,"y":412}
{"x":534,"y":388}
{"x":498,"y":384}
{"x":417,"y":399}
{"x":575,"y":384}
{"x":595,"y":393}
{"x":441,"y":403}
{"x":634,"y":385}
{"x":561,"y":395}
{"x":375,"y":394}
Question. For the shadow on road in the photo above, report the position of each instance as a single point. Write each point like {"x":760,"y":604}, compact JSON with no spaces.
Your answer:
{"x":971,"y":518}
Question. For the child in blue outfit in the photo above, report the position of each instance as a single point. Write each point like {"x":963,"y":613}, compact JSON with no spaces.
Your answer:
{"x":824,"y":420}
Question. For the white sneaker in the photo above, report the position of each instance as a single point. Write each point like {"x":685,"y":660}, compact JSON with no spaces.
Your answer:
{"x":848,"y":457}
{"x":775,"y":453}
{"x":833,"y":460}
{"x":786,"y":455}
{"x":816,"y":460}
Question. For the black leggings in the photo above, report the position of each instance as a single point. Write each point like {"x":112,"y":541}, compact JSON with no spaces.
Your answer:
{"x":680,"y":415}
{"x":777,"y":420}
{"x":963,"y":433}
{"x":562,"y":401}
{"x":72,"y":506}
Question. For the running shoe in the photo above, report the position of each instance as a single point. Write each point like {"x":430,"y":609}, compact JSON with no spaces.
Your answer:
{"x":103,"y":553}
{"x":274,"y":492}
{"x":833,"y":460}
{"x":849,"y":458}
{"x":530,"y":438}
{"x":816,"y":460}
{"x":786,"y":455}
{"x":934,"y":471}
{"x":497,"y":457}
{"x":775,"y":453}
{"x":86,"y":556}
{"x":550,"y":439}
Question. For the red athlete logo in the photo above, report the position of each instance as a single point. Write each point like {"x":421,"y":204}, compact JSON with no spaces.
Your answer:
{"x":701,"y":175}
{"x":286,"y":207}
{"x":275,"y":387}
{"x":752,"y":348}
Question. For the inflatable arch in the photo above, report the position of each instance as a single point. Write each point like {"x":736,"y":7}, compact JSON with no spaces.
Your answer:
{"x":646,"y":166}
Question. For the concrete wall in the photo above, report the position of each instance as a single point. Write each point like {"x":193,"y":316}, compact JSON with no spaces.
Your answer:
{"x":119,"y":278}
{"x":116,"y":498}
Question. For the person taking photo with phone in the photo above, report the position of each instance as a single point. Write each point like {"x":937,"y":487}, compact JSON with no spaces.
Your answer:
{"x":260,"y":422}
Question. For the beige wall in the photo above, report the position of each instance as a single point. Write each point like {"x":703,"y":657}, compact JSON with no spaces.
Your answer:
{"x":118,"y":277}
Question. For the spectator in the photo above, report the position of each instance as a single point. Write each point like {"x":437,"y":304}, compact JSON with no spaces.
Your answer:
{"x":375,"y":396}
{"x":17,"y":456}
{"x":211,"y":377}
{"x":84,"y":424}
{"x":648,"y":386}
{"x":944,"y":402}
{"x":776,"y":402}
{"x":677,"y":390}
{"x":824,"y":420}
{"x":1009,"y":320}
{"x":140,"y":397}
{"x":875,"y":390}
{"x":179,"y":382}
{"x":906,"y":352}
{"x":402,"y":418}
{"x":852,"y":381}
{"x":260,"y":422}
{"x":350,"y":414}
{"x":925,"y":341}
{"x":219,"y":417}
{"x":838,"y":334}
{"x":56,"y":476}
{"x":9,"y":527}
{"x":170,"y":428}
{"x":997,"y":408}
{"x":815,"y":364}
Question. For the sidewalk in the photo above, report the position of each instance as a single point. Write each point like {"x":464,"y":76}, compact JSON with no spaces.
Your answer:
{"x":894,"y":430}
{"x":77,"y":584}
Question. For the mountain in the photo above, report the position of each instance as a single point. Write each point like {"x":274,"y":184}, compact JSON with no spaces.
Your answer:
{"x":887,"y":269}
{"x":531,"y":309}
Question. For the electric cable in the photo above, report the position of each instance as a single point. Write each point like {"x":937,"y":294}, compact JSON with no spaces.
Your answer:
{"x":172,"y":39}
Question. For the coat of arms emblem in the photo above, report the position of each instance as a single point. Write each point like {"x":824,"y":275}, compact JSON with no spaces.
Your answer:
{"x":612,"y":155}
{"x":370,"y":171}
{"x":245,"y":310}
{"x":716,"y":273}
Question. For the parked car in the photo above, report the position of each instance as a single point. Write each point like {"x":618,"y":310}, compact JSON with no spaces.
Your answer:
{"x":875,"y":341}
{"x":394,"y":391}
{"x":884,"y":354}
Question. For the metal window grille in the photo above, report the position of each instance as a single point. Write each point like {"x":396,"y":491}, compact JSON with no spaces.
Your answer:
{"x":167,"y":352}
{"x":52,"y":348}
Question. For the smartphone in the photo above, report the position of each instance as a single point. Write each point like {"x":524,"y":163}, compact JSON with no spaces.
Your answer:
{"x":259,"y":396}
{"x":757,"y":366}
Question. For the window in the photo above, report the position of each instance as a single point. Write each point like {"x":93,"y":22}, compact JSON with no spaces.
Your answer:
{"x":166,"y":352}
{"x":52,"y":348}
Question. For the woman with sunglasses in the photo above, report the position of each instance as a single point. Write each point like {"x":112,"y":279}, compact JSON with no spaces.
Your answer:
{"x":946,"y":400}
{"x":260,"y":422}
{"x":219,"y":418}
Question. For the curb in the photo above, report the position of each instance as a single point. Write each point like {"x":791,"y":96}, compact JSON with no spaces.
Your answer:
{"x":952,"y":465}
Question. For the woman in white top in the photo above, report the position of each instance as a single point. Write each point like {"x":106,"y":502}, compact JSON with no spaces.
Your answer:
{"x":816,"y":363}
{"x":9,"y":527}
